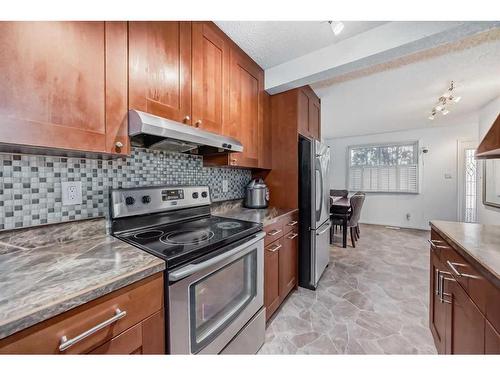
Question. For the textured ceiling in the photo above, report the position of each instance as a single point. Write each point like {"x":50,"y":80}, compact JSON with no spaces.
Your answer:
{"x":271,"y":43}
{"x":401,"y":98}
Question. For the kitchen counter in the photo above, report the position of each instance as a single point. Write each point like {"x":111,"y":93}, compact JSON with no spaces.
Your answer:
{"x":235,"y":210}
{"x":477,"y":243}
{"x":48,"y":270}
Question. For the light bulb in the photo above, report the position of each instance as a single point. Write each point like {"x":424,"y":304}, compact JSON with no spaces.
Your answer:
{"x":445,"y":112}
{"x":439,"y":107}
{"x":337,"y":27}
{"x":431,"y":117}
{"x":456,"y":99}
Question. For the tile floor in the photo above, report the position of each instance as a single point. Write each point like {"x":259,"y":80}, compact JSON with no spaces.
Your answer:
{"x":371,"y":300}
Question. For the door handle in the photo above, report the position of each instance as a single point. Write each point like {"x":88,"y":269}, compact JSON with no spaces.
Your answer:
{"x":324,"y":230}
{"x":457,"y":272}
{"x":434,"y":246}
{"x":68,"y":343}
{"x":274,"y":232}
{"x":276,"y":248}
{"x":195,"y":267}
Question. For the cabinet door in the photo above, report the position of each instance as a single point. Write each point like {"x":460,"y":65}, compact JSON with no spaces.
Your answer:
{"x":303,"y":113}
{"x":246,"y":88}
{"x":271,"y":277}
{"x":160,"y":69}
{"x":288,"y":264}
{"x":265,"y":140}
{"x":210,"y":87}
{"x":465,"y":324}
{"x":437,"y":309}
{"x":314,"y":122}
{"x":63,"y":84}
{"x":147,"y":337}
{"x":491,"y":340}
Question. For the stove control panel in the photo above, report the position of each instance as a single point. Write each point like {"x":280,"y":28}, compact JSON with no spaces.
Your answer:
{"x":140,"y":201}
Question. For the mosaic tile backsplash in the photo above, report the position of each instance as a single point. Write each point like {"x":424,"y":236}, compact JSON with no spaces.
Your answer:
{"x":30,"y":186}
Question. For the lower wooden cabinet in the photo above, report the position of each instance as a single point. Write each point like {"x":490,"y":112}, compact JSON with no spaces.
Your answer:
{"x":271,"y":278}
{"x":280,"y":262}
{"x":491,"y":339}
{"x":464,"y":321}
{"x":146,"y":337}
{"x":437,"y":312}
{"x":460,"y":316}
{"x":140,"y":328}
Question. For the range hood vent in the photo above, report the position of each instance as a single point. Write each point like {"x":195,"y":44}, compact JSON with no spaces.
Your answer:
{"x":158,"y":133}
{"x":489,"y":148}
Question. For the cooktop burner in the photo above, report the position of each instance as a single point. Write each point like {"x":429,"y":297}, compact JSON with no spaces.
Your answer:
{"x":187,"y":237}
{"x":182,"y":241}
{"x":228,"y":225}
{"x":148,"y":234}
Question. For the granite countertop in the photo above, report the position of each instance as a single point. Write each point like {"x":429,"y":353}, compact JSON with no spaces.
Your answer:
{"x":48,"y":270}
{"x":235,"y":210}
{"x":477,"y":243}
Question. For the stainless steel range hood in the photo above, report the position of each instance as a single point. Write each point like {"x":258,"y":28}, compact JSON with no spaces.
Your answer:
{"x":150,"y":131}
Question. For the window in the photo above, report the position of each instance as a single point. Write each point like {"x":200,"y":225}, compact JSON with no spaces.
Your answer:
{"x":389,"y":168}
{"x":470,"y":186}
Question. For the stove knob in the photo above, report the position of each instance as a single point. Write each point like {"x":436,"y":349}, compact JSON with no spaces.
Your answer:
{"x":204,"y":194}
{"x":129,"y":201}
{"x":146,"y":199}
{"x":195,"y":195}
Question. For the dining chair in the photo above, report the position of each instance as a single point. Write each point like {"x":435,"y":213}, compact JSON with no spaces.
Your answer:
{"x":338,"y":193}
{"x":356,"y":201}
{"x":358,"y":231}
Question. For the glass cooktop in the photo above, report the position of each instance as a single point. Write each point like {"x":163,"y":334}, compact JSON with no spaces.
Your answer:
{"x":181,"y":242}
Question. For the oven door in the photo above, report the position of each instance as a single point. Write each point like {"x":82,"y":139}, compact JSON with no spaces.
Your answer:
{"x":211,"y":301}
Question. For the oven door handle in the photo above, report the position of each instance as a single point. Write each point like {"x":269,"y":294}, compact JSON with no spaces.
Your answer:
{"x":193,"y":268}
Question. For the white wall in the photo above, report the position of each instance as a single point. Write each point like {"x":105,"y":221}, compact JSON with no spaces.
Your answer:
{"x":438,"y":196}
{"x":487,"y":114}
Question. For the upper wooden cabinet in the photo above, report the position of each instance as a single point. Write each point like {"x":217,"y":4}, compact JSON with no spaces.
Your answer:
{"x":309,"y":113}
{"x":489,"y":148}
{"x":210,"y":96}
{"x":160,"y":69}
{"x":64,"y":85}
{"x":245,"y":107}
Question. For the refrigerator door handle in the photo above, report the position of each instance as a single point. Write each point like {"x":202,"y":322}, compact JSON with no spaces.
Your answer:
{"x":324,"y":230}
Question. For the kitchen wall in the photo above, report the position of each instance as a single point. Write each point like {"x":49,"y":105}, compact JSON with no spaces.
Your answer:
{"x":487,"y":114}
{"x":30,"y":186}
{"x":438,"y":196}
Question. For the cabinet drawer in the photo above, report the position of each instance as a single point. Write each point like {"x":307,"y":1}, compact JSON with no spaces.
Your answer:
{"x":290,"y":222}
{"x":137,"y":301}
{"x":273,"y":232}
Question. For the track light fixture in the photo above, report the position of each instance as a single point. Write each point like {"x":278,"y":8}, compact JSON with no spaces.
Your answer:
{"x":444,"y":102}
{"x":337,"y":27}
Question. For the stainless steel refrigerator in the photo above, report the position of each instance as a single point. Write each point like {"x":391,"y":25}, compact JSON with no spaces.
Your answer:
{"x":314,"y":206}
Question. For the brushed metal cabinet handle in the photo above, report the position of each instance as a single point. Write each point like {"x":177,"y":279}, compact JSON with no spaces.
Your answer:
{"x":274,"y":232}
{"x":197,"y":124}
{"x":276,"y":248}
{"x":454,"y":266}
{"x":186,"y":118}
{"x":434,"y":246}
{"x":292,"y":236}
{"x":68,"y":343}
{"x":292,"y":223}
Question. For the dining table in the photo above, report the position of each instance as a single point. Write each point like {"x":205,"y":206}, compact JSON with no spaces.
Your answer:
{"x":341,"y":207}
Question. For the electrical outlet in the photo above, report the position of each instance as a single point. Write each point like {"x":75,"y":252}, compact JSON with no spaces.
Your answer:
{"x":71,"y":192}
{"x":225,"y":186}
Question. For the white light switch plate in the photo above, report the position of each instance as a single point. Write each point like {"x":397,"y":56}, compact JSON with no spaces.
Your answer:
{"x":225,"y":186}
{"x":71,"y":192}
